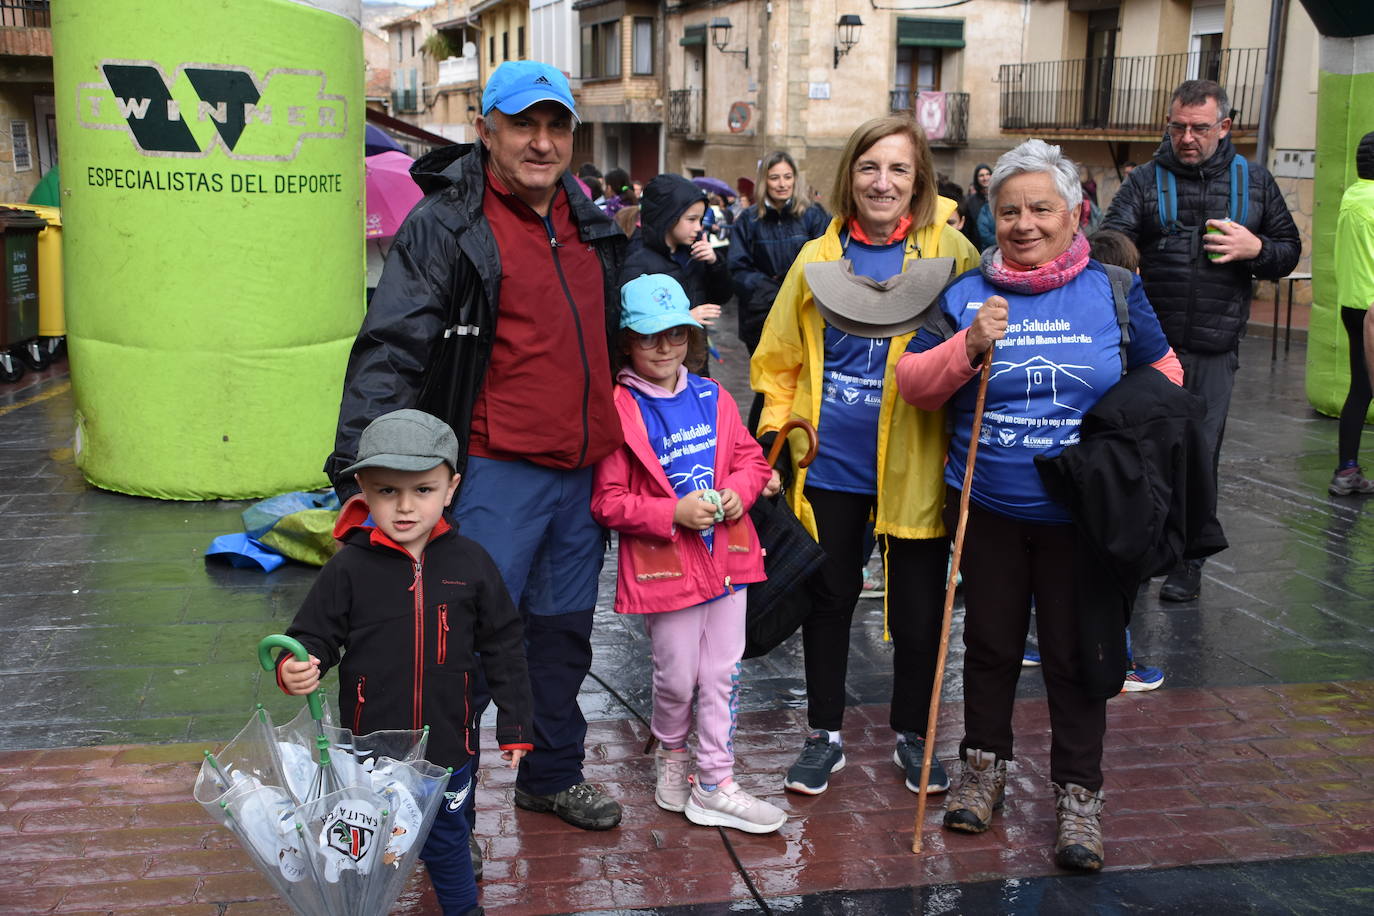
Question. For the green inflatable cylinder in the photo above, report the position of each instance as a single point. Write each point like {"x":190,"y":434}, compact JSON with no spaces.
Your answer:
{"x":212,"y":200}
{"x":1345,"y":113}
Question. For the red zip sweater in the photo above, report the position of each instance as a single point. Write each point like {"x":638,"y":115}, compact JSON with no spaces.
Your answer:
{"x":547,"y":393}
{"x":403,"y":633}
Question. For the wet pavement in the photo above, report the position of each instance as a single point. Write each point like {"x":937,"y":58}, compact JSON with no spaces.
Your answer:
{"x":123,"y":653}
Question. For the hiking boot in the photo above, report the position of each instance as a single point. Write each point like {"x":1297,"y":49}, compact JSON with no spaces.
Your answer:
{"x":731,"y":806}
{"x":475,"y":849}
{"x":672,"y":786}
{"x":820,"y":757}
{"x":583,"y":805}
{"x":981,"y":788}
{"x":1350,"y":481}
{"x":1183,"y":584}
{"x":911,"y":747}
{"x":1142,"y":677}
{"x":1079,"y":845}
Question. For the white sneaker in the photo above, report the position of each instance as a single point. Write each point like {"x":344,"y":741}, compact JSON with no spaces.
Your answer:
{"x":731,"y":806}
{"x":672,"y":783}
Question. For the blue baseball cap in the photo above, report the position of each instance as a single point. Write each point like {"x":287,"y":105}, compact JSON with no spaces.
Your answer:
{"x":518,"y":84}
{"x":654,"y":302}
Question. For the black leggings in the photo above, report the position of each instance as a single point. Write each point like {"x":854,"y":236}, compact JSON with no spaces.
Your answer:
{"x":915,"y":609}
{"x":1357,"y":401}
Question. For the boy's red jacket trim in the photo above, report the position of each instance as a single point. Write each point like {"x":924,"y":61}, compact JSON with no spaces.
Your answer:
{"x":362,"y":614}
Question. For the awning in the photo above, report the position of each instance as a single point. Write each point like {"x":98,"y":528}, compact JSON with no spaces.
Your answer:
{"x":938,"y":33}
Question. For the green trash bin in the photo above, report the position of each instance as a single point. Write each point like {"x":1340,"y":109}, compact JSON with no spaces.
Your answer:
{"x":19,"y":344}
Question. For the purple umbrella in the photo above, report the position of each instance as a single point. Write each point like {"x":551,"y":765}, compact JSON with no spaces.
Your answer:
{"x":713,"y":185}
{"x":376,"y":140}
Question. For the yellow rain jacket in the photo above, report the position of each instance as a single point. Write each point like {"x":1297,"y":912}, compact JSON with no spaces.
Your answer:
{"x":787,"y":368}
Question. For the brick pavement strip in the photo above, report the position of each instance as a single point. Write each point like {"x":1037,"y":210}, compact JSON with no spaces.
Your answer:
{"x":1194,"y":776}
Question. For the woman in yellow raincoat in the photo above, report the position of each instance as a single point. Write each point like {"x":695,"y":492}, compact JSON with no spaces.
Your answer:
{"x":879,"y":459}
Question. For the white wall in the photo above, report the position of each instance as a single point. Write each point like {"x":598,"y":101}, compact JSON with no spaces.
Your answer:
{"x":554,"y":35}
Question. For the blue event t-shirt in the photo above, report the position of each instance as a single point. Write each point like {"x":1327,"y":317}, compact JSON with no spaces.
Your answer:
{"x":852,"y":388}
{"x":682,"y":431}
{"x":1062,"y":352}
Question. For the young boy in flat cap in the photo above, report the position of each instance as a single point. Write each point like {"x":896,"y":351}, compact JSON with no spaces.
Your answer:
{"x":411,"y":600}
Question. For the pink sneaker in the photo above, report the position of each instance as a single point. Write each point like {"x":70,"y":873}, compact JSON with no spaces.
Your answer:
{"x":731,"y":806}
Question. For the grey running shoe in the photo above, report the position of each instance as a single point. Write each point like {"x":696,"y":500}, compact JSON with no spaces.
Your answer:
{"x":1350,"y":482}
{"x":820,"y":757}
{"x":1079,"y":845}
{"x":583,"y":805}
{"x":911,"y":748}
{"x":982,"y":786}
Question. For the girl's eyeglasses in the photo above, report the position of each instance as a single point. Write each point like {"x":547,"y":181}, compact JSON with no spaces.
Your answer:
{"x":675,"y":336}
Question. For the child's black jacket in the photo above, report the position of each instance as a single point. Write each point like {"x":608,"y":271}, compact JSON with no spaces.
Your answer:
{"x":407,"y":631}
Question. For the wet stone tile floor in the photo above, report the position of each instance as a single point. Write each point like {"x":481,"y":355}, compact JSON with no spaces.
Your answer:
{"x":1245,"y":783}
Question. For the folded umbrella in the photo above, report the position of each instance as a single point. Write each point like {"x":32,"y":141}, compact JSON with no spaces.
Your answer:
{"x":777,"y":606}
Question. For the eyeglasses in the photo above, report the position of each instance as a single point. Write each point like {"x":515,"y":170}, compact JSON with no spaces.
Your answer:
{"x":675,"y":336}
{"x":1199,"y":130}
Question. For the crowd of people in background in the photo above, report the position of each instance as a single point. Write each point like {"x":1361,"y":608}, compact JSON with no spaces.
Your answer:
{"x":1103,"y":339}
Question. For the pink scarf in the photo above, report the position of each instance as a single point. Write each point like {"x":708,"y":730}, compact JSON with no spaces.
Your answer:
{"x":1038,"y":279}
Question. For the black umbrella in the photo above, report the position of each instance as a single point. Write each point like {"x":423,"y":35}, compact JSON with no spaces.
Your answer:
{"x":777,"y":606}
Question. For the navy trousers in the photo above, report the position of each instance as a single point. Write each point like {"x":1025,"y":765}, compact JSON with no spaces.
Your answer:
{"x":446,"y":854}
{"x":536,"y":523}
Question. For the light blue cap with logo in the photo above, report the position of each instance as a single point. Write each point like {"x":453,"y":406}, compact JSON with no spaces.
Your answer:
{"x":518,"y":84}
{"x":654,"y":302}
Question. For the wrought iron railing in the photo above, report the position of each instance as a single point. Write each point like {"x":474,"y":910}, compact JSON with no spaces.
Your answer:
{"x":1126,"y":94}
{"x":404,"y":100}
{"x":33,"y":14}
{"x":943,"y":115}
{"x":686,"y":112}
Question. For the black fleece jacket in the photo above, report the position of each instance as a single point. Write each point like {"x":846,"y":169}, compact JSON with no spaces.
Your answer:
{"x":403,"y":633}
{"x":666,"y":198}
{"x":1203,"y":306}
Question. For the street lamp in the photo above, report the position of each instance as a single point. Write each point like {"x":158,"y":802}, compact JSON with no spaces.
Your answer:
{"x":847,"y":30}
{"x":720,"y":37}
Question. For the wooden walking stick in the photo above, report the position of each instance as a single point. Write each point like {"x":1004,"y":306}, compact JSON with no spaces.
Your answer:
{"x":949,"y":596}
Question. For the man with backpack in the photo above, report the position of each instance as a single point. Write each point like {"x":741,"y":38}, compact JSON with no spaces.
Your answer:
{"x":1207,"y":223}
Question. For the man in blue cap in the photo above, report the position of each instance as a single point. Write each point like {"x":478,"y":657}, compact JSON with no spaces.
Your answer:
{"x":496,"y":311}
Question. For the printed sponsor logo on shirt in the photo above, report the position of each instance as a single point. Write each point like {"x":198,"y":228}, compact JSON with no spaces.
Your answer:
{"x":1006,"y":437}
{"x":1037,"y":442}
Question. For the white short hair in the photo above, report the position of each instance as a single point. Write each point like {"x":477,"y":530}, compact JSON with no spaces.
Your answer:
{"x":1038,"y":156}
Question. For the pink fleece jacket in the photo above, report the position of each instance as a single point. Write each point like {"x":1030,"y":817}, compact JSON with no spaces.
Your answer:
{"x":664,"y":568}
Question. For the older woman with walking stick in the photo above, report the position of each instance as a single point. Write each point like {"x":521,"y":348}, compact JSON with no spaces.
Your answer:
{"x":1065,"y":330}
{"x":827,"y":355}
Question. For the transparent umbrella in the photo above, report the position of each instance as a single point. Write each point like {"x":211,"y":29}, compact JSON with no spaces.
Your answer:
{"x":335,"y":821}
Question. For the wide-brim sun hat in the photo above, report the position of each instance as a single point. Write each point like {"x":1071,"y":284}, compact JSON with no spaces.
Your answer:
{"x":864,"y":307}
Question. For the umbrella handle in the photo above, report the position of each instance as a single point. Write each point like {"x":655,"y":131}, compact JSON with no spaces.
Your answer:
{"x":278,"y":641}
{"x":783,"y":431}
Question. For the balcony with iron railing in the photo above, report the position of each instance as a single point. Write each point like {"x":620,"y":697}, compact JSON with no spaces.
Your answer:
{"x":1123,"y":96}
{"x":25,"y":28}
{"x":943,"y":115}
{"x":686,"y":112}
{"x":31,"y":14}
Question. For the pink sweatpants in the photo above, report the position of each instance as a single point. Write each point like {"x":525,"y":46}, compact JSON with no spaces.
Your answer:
{"x":699,"y":647}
